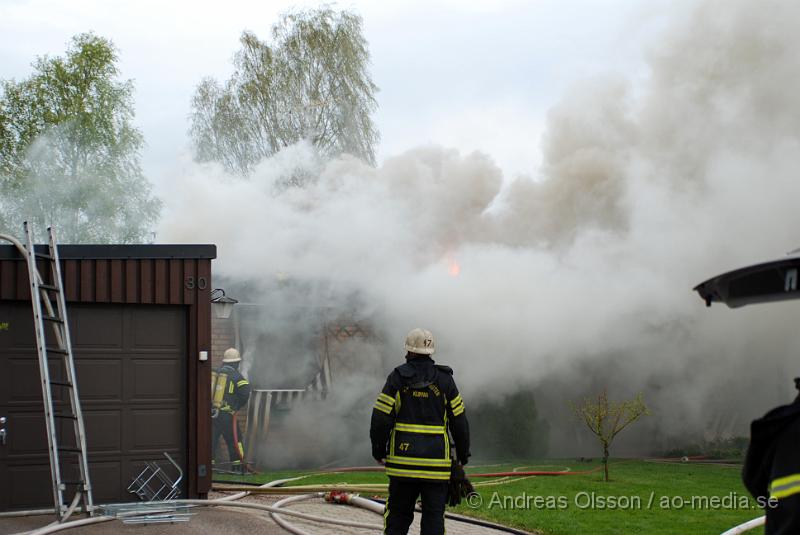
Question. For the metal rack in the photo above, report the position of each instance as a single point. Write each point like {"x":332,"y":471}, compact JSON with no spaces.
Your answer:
{"x":153,"y":483}
{"x":147,"y":512}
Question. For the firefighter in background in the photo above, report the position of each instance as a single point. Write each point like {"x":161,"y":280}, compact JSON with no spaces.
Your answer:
{"x":229,"y":392}
{"x":409,"y":433}
{"x":772,"y":466}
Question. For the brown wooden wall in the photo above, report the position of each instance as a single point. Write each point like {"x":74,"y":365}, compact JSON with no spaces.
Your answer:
{"x":154,"y":281}
{"x":139,"y":281}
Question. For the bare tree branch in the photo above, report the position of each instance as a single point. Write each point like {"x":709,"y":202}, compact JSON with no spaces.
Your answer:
{"x":606,"y":419}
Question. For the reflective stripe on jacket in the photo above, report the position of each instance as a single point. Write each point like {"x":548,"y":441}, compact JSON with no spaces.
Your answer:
{"x":411,"y":418}
{"x":772,"y":468}
{"x":229,"y":389}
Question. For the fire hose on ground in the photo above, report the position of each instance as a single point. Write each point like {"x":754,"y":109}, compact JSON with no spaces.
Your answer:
{"x":52,"y":528}
{"x":490,"y":474}
{"x":747,"y":526}
{"x":374,"y":506}
{"x":343,"y":495}
{"x":382,"y":487}
{"x":228,"y":501}
{"x":55,"y":527}
{"x":274,"y":510}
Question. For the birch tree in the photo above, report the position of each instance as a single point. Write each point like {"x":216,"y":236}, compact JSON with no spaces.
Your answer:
{"x":310,"y":81}
{"x":69,"y":153}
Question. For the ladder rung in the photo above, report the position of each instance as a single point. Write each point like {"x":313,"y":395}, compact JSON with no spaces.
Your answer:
{"x":61,"y":383}
{"x":56,"y":350}
{"x":72,"y":483}
{"x":49,"y":287}
{"x":67,"y":416}
{"x":43,"y":256}
{"x":70,"y":450}
{"x":55,"y":319}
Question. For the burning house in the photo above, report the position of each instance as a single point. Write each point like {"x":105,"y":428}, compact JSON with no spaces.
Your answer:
{"x":295,"y":355}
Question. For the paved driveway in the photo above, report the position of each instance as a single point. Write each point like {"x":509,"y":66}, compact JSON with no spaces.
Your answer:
{"x":216,"y":521}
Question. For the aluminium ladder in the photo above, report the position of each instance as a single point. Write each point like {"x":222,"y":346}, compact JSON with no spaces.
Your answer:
{"x":56,"y":351}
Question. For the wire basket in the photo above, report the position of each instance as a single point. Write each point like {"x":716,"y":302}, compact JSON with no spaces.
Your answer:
{"x":154,"y":484}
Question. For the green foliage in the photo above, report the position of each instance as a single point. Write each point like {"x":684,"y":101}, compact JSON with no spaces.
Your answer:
{"x":69,"y":154}
{"x":510,"y":428}
{"x":311,"y":83}
{"x":721,"y":448}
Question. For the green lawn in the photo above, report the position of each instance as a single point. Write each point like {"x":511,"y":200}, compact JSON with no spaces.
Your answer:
{"x":643,"y":497}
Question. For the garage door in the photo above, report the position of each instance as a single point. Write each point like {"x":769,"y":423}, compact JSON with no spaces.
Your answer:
{"x":130,"y":362}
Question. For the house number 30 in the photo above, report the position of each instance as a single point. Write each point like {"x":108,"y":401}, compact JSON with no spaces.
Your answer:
{"x":200,"y":283}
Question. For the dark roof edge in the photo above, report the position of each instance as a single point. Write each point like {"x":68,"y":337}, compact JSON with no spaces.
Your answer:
{"x":112,"y":252}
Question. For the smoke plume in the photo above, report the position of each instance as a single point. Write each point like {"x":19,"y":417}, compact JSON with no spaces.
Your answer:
{"x":578,"y":277}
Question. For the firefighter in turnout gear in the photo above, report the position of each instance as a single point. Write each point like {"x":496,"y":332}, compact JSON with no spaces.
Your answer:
{"x":229,"y":392}
{"x":772,"y":467}
{"x":411,"y":418}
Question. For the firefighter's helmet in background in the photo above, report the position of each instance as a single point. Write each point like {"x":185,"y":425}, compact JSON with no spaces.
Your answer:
{"x":420,"y":341}
{"x":231,"y":355}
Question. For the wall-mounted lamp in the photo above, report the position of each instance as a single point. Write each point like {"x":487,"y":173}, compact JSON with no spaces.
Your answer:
{"x":222,"y":304}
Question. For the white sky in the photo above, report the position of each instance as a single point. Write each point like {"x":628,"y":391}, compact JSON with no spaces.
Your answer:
{"x":468,"y":74}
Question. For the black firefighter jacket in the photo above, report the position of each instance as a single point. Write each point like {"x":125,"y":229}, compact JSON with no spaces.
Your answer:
{"x":411,"y":418}
{"x":229,"y":389}
{"x":772,"y":467}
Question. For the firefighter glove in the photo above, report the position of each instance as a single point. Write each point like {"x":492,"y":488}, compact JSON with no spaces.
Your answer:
{"x":459,"y":487}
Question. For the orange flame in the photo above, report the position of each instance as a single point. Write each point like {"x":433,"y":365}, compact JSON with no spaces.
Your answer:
{"x":453,"y":269}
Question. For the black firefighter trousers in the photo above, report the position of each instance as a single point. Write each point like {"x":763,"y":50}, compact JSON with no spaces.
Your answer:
{"x":223,"y":426}
{"x":403,"y":493}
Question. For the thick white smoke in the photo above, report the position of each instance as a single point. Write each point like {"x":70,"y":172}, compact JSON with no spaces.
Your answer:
{"x":580,"y":278}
